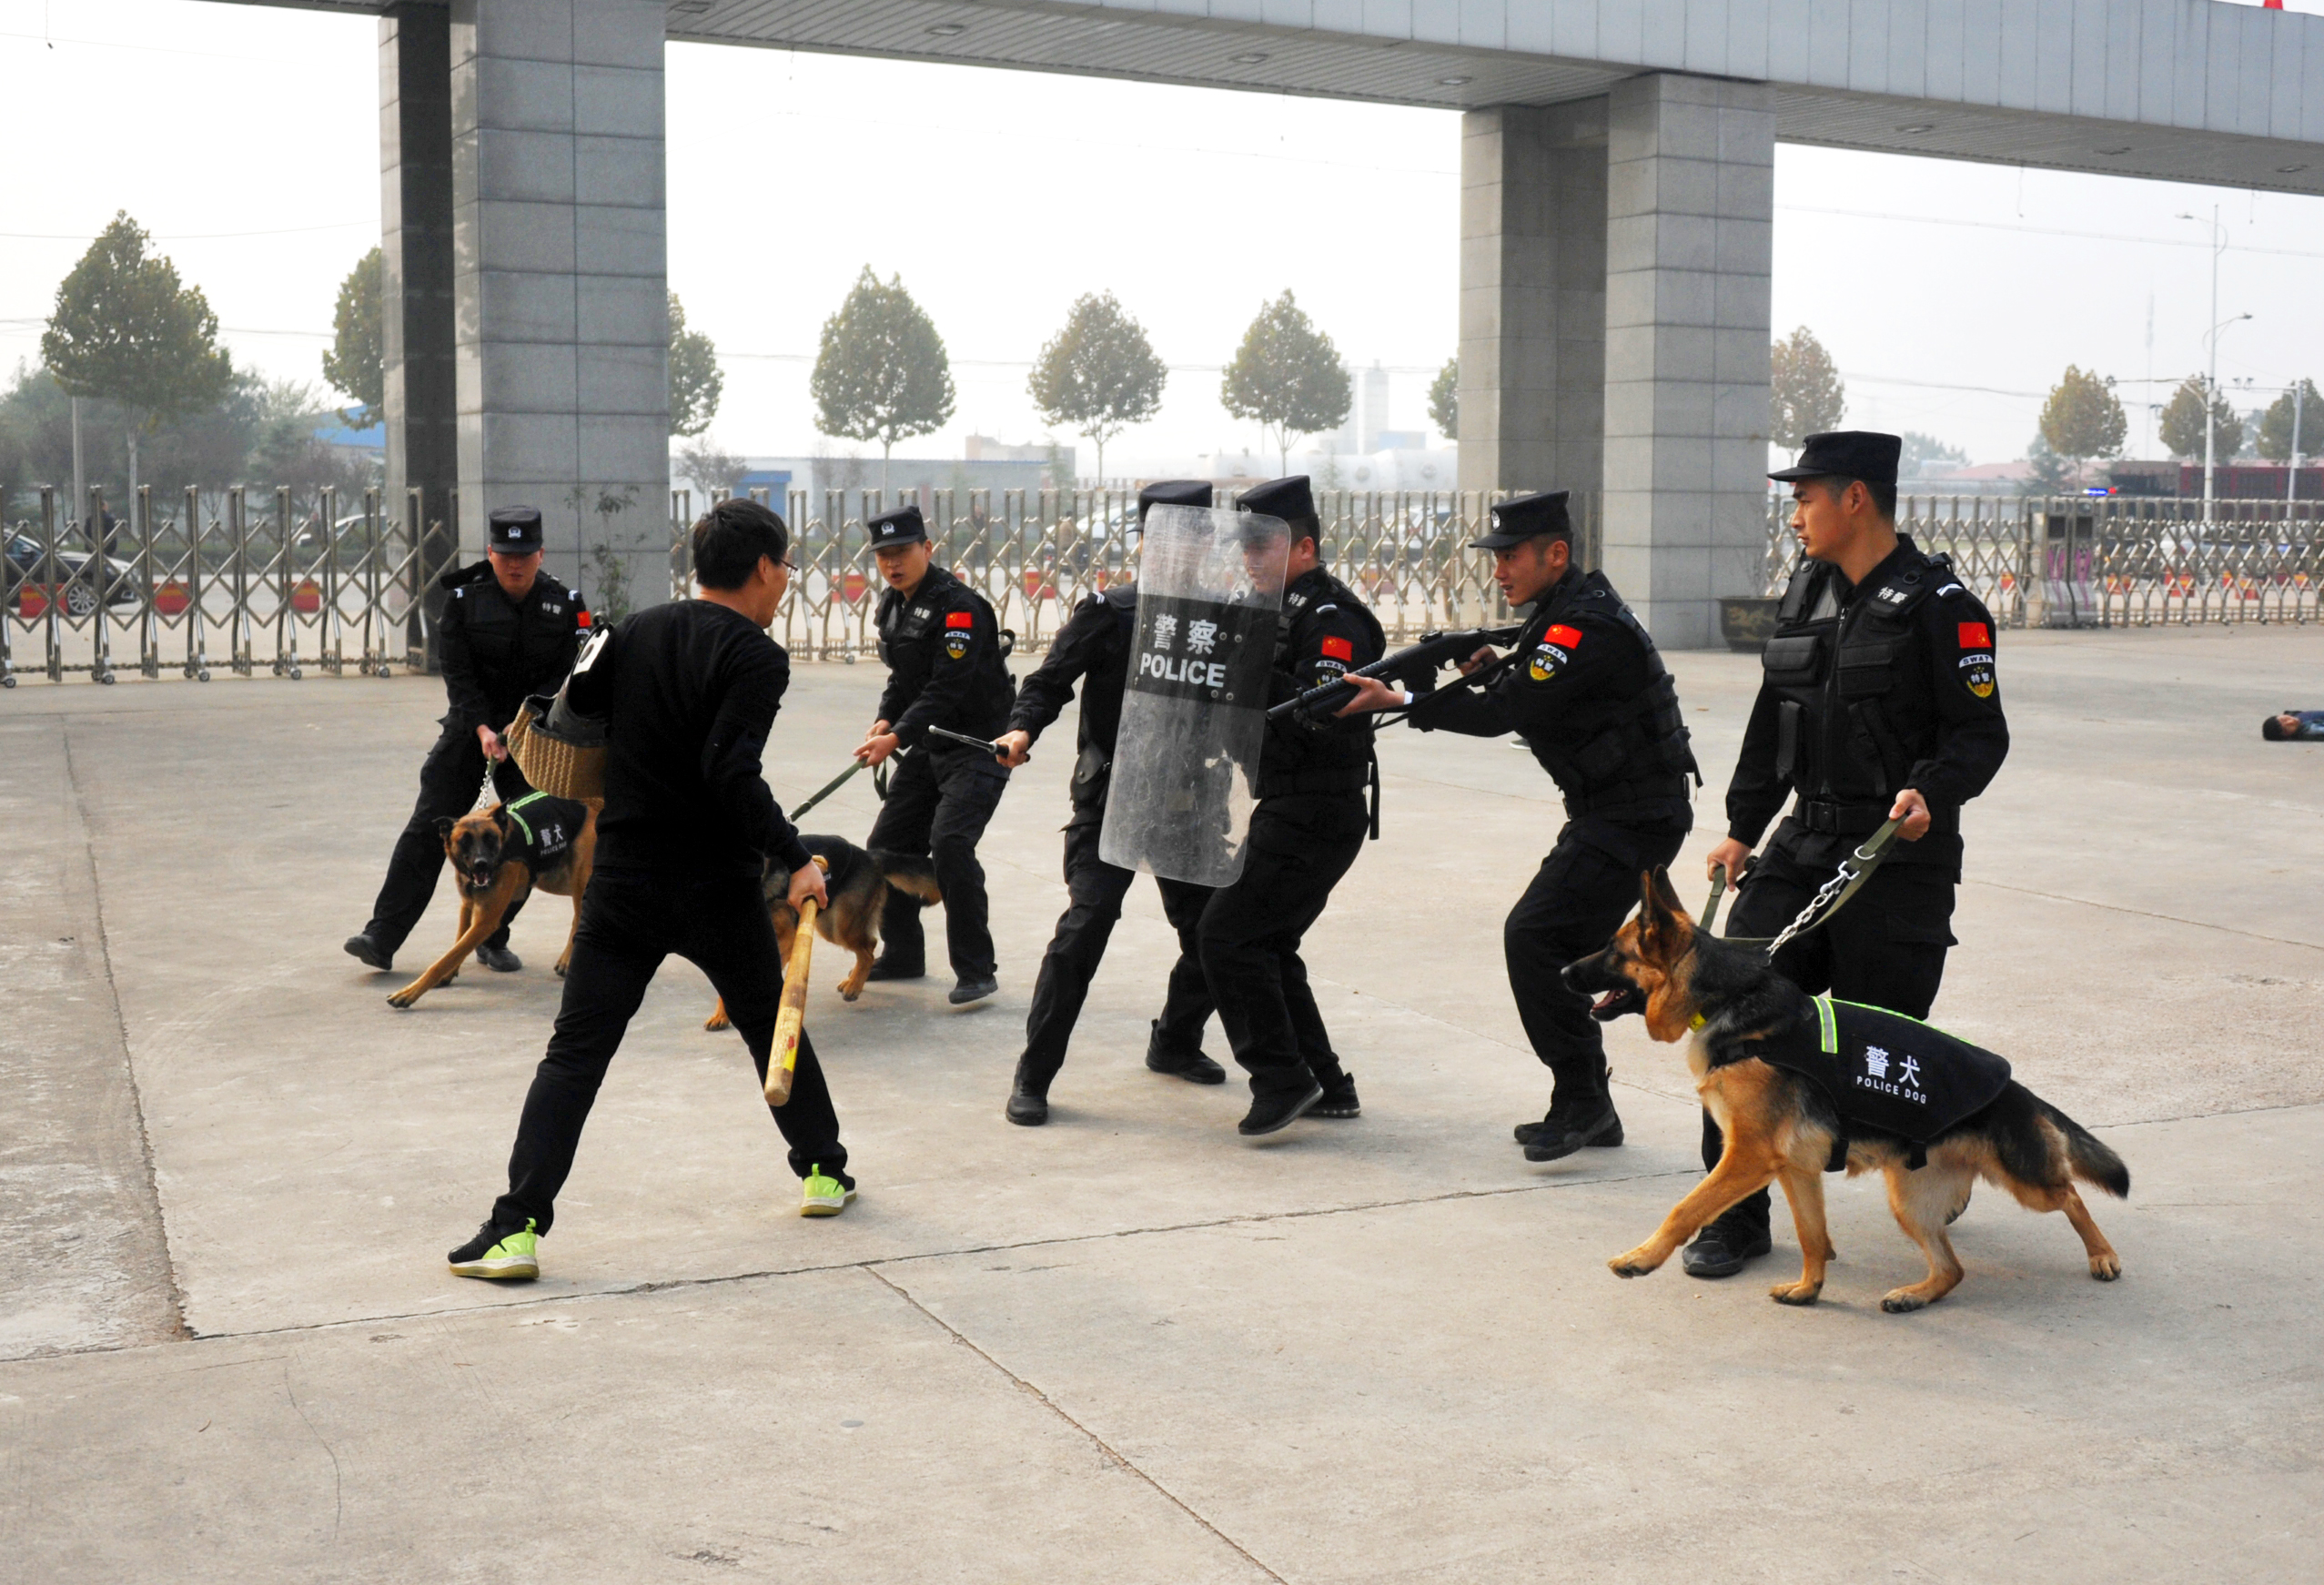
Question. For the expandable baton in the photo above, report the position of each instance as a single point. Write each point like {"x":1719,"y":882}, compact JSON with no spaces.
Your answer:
{"x":1433,"y":650}
{"x":965,"y":740}
{"x":825,"y":791}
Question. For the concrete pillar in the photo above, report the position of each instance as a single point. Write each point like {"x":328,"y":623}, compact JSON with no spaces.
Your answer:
{"x":1533,"y":297}
{"x":560,"y":272}
{"x":1690,"y":221}
{"x":416,"y":244}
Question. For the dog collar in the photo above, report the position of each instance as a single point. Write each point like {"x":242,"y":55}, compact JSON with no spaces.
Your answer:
{"x":1696,"y":1021}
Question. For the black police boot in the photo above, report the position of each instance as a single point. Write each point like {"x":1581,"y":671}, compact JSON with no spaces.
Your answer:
{"x":1339,"y":1097}
{"x":1028,"y":1097}
{"x":1528,"y":1131}
{"x":498,"y":959}
{"x":1567,"y":1129}
{"x":1270,"y":1113}
{"x":1190,"y":1065}
{"x":887,"y":968}
{"x":969,"y":988}
{"x":1725,"y":1247}
{"x":366,"y":951}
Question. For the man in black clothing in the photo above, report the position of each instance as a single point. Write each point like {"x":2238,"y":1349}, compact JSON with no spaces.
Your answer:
{"x":1306,"y":831}
{"x":508,"y":630}
{"x":1096,"y":643}
{"x":1878,"y":701}
{"x":688,"y":690}
{"x":1586,"y":690}
{"x":942,"y":644}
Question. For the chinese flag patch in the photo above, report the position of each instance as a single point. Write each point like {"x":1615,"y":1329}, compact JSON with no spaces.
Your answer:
{"x":1975,"y":635}
{"x":580,"y":617}
{"x":959,"y":619}
{"x":1338,"y":649}
{"x":1563,"y":637}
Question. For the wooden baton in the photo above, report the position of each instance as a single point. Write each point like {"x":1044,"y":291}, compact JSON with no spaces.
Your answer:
{"x":783,"y":1061}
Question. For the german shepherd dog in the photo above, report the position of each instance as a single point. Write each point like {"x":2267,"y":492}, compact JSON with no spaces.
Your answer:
{"x":857,"y":882}
{"x":492,"y":879}
{"x":1780,"y":1125}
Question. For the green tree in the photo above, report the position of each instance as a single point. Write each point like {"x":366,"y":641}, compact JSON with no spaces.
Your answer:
{"x":1098,"y":375}
{"x":2050,"y":473}
{"x":126,"y":328}
{"x":357,"y":360}
{"x":2183,"y":422}
{"x":882,"y":373}
{"x":2274,"y":438}
{"x":1287,"y":376}
{"x":1807,"y":398}
{"x":1444,"y":400}
{"x":2082,"y":419}
{"x":710,"y":469}
{"x":695,"y":382}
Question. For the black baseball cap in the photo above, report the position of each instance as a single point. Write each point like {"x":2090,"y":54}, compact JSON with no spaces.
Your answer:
{"x":1864,"y":454}
{"x":1526,"y":517}
{"x":1193,"y":492}
{"x":515,"y":530}
{"x":901,"y":527}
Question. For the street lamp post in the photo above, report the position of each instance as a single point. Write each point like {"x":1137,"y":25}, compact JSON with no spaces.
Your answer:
{"x":2211,"y":378}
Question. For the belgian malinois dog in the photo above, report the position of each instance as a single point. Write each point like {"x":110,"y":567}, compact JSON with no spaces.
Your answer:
{"x":1746,"y":1022}
{"x":493,"y":853}
{"x":857,"y":882}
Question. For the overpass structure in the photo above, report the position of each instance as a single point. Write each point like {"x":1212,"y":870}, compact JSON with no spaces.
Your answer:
{"x":1616,"y":215}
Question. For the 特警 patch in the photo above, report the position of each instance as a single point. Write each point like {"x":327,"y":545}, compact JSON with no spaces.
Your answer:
{"x":956,"y":643}
{"x":1976,"y":673}
{"x":1555,"y":649}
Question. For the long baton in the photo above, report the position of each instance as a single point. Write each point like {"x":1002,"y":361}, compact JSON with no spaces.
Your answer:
{"x":825,"y":791}
{"x":783,"y":1061}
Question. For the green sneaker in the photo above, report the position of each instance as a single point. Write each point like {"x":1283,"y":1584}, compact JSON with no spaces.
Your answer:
{"x":507,"y":1256}
{"x":825,"y":1196}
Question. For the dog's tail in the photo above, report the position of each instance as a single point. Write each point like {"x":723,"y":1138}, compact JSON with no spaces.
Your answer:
{"x":913,"y":874}
{"x":2091,"y":1159}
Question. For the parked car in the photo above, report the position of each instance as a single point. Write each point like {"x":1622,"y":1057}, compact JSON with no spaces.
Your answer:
{"x":33,"y":579}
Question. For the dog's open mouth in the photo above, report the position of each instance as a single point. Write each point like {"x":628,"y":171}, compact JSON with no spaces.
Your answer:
{"x":480,"y":876}
{"x":1614,"y":1004}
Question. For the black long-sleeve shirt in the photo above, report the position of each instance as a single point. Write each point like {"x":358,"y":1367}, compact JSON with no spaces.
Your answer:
{"x":942,"y":644}
{"x":495,"y":651}
{"x":1093,"y":643}
{"x":689,"y":692}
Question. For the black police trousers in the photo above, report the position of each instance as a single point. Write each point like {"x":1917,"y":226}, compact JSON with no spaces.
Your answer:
{"x":1885,"y":949}
{"x":1096,"y":889}
{"x":1250,"y":937}
{"x":630,"y":921}
{"x":938,"y":804}
{"x":448,"y":779}
{"x":1579,"y":897}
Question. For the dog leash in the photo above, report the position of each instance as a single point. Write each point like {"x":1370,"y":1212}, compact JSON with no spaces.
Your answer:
{"x":825,"y":791}
{"x":1829,"y":898}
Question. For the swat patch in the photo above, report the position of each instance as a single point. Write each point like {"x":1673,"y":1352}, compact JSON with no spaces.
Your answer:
{"x":956,"y":642}
{"x":1976,"y":674}
{"x":1547,"y":658}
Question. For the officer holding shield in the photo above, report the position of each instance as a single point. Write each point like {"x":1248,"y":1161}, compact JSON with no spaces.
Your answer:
{"x":1305,"y":834}
{"x":1877,"y":701}
{"x":942,"y":644}
{"x":1587,"y":692}
{"x":1094,"y":647}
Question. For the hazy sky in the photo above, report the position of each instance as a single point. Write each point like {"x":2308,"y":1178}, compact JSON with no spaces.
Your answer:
{"x":246,"y":140}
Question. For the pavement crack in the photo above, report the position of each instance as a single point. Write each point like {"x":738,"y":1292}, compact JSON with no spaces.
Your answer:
{"x":1100,"y":1443}
{"x":151,"y":1184}
{"x":339,"y":1488}
{"x":2143,"y":914}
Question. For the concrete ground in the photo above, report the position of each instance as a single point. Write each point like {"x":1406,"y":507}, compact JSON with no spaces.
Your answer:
{"x":1131,"y":1346}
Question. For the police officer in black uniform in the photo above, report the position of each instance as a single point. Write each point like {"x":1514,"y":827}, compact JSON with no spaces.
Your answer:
{"x":508,"y":630}
{"x":1586,"y":690}
{"x":1878,"y":701}
{"x":1096,"y":644}
{"x":942,"y":647}
{"x":1306,"y":831}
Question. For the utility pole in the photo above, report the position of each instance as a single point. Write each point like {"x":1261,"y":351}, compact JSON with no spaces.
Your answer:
{"x":80,"y":481}
{"x":2291,"y":475}
{"x":2211,"y":379}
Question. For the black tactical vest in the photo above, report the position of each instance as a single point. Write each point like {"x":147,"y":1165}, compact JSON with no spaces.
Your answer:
{"x":1847,"y":733}
{"x":1624,"y":758}
{"x":1300,"y":759}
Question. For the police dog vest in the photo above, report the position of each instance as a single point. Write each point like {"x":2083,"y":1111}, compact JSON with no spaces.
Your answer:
{"x":543,"y":829}
{"x":1887,"y":1073}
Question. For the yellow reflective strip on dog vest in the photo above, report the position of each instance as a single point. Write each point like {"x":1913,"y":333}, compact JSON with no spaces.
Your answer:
{"x":511,"y":811}
{"x":1830,"y":1030}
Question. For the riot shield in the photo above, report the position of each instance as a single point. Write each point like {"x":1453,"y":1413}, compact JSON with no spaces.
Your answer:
{"x":1185,"y":762}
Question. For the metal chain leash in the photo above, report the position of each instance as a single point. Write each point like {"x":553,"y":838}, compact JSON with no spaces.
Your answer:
{"x":1853,"y":873}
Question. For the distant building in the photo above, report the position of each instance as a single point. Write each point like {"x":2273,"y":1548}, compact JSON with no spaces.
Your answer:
{"x":2229,"y":480}
{"x":1025,"y":467}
